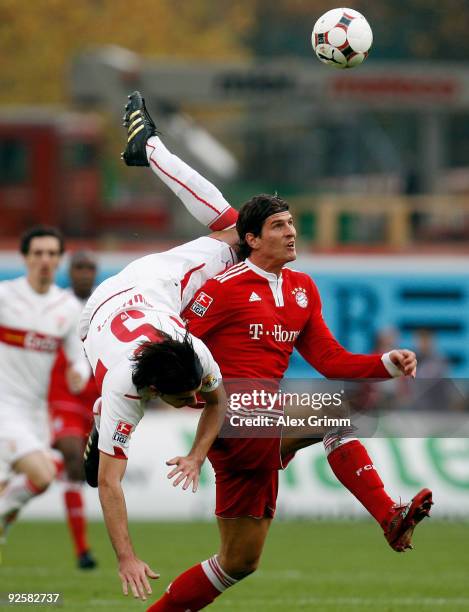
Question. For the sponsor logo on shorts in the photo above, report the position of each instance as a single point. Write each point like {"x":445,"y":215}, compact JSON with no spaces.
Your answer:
{"x":122,"y":432}
{"x":201,"y":304}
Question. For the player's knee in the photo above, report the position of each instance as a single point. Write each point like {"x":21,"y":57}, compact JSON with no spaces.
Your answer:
{"x":40,"y":472}
{"x":240,"y":566}
{"x":42,"y":480}
{"x":46,"y":474}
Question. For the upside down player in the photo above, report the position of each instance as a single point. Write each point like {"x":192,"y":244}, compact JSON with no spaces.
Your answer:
{"x":72,"y":418}
{"x":36,"y":318}
{"x":139,"y":349}
{"x":235,"y":314}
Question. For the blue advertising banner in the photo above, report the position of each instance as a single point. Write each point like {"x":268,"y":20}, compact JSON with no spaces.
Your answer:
{"x":363,"y":295}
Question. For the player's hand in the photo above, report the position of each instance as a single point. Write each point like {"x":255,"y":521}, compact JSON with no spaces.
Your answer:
{"x":405,"y":360}
{"x":134,"y":573}
{"x":75,"y":381}
{"x":187,"y":469}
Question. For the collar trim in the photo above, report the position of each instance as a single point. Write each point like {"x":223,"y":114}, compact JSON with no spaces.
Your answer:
{"x":270,"y":276}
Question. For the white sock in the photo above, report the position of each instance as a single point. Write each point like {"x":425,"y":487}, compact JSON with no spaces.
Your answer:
{"x":338,"y":437}
{"x":18,"y":491}
{"x":217,"y":576}
{"x":202,"y":199}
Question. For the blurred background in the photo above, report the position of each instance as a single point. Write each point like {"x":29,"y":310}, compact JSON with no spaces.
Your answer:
{"x":374,"y":161}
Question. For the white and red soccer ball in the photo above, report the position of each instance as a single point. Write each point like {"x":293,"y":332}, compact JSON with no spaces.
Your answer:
{"x":342,"y":38}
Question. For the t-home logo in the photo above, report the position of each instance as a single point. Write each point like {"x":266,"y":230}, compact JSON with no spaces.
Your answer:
{"x":278,"y":333}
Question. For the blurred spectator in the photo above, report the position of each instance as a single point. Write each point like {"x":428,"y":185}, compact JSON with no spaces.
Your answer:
{"x":392,"y":394}
{"x":438,"y":392}
{"x":431,"y":363}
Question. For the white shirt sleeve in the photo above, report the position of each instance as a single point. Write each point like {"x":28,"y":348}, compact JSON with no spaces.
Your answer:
{"x":211,"y":376}
{"x":120,"y":414}
{"x":74,"y":349}
{"x":2,"y":297}
{"x":393,"y":370}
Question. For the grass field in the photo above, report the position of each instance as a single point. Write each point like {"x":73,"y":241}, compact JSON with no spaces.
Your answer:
{"x":306,"y":566}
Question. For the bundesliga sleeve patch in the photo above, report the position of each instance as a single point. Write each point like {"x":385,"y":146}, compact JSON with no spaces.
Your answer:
{"x":201,"y":304}
{"x":122,"y":432}
{"x":209,"y":383}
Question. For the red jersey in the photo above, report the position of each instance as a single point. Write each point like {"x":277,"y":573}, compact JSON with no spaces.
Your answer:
{"x":251,"y":320}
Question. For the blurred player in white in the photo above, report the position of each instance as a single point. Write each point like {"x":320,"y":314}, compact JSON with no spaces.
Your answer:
{"x":36,"y":318}
{"x":139,"y":349}
{"x":71,"y":416}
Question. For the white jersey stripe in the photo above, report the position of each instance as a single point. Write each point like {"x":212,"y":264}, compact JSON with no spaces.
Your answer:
{"x":231,"y":270}
{"x":227,"y":278}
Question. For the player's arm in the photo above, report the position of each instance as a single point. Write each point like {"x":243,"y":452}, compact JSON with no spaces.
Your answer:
{"x":78,"y":369}
{"x":133,"y":572}
{"x":320,"y":349}
{"x":118,"y":418}
{"x":187,"y":468}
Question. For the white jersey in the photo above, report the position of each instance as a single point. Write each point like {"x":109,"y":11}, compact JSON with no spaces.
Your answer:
{"x":131,"y":308}
{"x":32,"y":328}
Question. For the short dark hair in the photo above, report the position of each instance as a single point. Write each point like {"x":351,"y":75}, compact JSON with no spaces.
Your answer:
{"x":171,"y":366}
{"x":252,"y":216}
{"x":83,"y":259}
{"x":38,"y":231}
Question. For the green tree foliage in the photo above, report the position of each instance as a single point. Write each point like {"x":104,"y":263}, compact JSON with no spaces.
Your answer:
{"x":38,"y":38}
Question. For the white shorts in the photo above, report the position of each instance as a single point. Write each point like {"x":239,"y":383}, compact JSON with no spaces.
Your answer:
{"x":18,"y":439}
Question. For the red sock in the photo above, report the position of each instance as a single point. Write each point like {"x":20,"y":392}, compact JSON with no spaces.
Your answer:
{"x":59,"y":465}
{"x":194,"y":589}
{"x":76,"y":518}
{"x":352,"y":465}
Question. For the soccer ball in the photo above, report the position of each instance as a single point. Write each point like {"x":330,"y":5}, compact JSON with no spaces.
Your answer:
{"x":342,"y":38}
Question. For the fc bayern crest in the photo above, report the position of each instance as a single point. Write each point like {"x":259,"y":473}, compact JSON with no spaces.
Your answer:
{"x":300,"y":297}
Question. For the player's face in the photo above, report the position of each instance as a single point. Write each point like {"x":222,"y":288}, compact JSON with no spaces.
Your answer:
{"x":179,"y":400}
{"x":276,"y":244}
{"x":82,"y":278}
{"x":42,"y":261}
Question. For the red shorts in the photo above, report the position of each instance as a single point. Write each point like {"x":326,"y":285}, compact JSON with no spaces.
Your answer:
{"x":70,"y":420}
{"x":246,"y":476}
{"x":246,"y":493}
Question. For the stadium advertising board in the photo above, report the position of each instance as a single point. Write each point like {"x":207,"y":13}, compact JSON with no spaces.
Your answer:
{"x":308,"y":487}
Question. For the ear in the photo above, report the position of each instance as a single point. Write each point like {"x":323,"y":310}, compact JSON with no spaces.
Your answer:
{"x":154,"y":390}
{"x":251,"y":240}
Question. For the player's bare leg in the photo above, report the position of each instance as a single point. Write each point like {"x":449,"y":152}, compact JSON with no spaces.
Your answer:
{"x":242,"y":542}
{"x":71,"y":448}
{"x":38,"y":467}
{"x":289,"y":446}
{"x":34,"y":473}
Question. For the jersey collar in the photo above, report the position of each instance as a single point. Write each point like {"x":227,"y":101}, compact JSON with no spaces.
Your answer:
{"x":270,"y":276}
